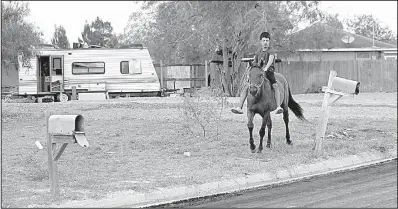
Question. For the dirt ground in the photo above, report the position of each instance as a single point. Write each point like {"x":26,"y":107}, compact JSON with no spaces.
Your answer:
{"x":138,"y":145}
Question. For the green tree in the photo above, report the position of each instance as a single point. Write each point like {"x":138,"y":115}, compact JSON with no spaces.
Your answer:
{"x":113,"y":41}
{"x":17,"y":35}
{"x":190,"y":31}
{"x":364,"y":25}
{"x":59,"y":38}
{"x":333,"y":20}
{"x":99,"y":32}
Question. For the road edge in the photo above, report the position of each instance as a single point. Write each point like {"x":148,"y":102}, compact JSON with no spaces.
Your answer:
{"x":164,"y":196}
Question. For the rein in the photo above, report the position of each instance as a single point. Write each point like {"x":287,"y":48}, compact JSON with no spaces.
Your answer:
{"x":257,"y":86}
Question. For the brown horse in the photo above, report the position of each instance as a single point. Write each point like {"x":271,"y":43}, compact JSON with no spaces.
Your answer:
{"x":261,"y":100}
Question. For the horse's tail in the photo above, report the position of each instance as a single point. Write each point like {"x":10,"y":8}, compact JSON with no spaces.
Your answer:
{"x":295,"y":107}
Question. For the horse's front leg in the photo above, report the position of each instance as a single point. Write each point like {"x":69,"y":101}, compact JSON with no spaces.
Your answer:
{"x":262,"y":133}
{"x":269,"y":125}
{"x":250,"y":126}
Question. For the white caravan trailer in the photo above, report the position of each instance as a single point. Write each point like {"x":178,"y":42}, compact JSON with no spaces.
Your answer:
{"x":122,"y":72}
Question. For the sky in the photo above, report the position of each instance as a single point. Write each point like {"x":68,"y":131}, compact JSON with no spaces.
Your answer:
{"x":72,"y":15}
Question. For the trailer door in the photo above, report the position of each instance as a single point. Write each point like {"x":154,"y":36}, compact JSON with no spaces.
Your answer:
{"x":27,"y":76}
{"x":56,"y":72}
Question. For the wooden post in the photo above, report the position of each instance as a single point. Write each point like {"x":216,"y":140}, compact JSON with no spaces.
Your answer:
{"x":161,"y":75}
{"x":206,"y":75}
{"x":52,"y":165}
{"x":323,"y":119}
{"x":74,"y":93}
{"x":61,"y":89}
{"x":194,"y":81}
{"x":381,"y":75}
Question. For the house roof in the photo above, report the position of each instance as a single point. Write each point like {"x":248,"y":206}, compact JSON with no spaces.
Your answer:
{"x":321,"y":37}
{"x":351,"y":49}
{"x":332,"y":38}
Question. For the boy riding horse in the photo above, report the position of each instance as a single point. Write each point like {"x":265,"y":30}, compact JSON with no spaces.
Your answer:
{"x":264,"y":58}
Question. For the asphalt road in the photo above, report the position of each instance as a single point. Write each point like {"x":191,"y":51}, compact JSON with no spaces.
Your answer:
{"x":374,"y":186}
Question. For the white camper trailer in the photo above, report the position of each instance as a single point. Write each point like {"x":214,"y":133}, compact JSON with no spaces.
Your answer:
{"x":123,"y":72}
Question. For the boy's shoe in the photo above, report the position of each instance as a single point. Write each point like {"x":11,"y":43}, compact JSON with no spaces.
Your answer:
{"x":237,"y":110}
{"x":278,"y":110}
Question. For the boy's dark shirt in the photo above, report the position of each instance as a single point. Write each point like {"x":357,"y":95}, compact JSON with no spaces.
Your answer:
{"x":261,"y":58}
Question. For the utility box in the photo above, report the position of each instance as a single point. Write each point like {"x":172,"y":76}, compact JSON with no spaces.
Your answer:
{"x":345,"y":85}
{"x":69,"y":126}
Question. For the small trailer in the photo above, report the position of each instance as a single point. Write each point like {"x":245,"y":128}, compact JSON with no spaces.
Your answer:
{"x":113,"y":72}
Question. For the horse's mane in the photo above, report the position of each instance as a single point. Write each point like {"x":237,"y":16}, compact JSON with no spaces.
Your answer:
{"x":255,"y":65}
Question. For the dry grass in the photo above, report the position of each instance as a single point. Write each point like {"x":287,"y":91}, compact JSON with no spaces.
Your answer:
{"x":137,"y":144}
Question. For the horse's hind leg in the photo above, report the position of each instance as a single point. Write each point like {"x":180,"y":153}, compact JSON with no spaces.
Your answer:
{"x":250,"y":126}
{"x":269,"y":125}
{"x":262,"y":134}
{"x":286,"y":119}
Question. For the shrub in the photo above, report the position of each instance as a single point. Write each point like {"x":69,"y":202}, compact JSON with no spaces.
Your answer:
{"x":203,"y":109}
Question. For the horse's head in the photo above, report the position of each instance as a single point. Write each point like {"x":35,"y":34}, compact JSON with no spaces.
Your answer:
{"x":256,"y":80}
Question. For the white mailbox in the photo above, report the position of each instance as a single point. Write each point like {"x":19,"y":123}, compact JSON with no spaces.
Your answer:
{"x":68,"y":125}
{"x":345,"y":85}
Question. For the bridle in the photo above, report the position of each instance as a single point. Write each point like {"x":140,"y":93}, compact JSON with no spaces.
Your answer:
{"x":257,"y":86}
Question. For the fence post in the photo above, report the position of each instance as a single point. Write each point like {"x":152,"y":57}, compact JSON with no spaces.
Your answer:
{"x":194,"y":81}
{"x":206,"y":75}
{"x":381,"y":75}
{"x":161,"y":76}
{"x":357,"y":62}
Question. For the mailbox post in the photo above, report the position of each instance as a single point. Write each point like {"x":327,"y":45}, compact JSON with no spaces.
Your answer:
{"x":62,"y":129}
{"x":337,"y":88}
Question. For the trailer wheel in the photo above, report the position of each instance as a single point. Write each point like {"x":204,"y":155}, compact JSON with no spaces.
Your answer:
{"x":64,"y":98}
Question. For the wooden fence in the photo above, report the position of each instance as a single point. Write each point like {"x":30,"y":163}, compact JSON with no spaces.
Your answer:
{"x":307,"y":77}
{"x":182,"y":77}
{"x":303,"y":76}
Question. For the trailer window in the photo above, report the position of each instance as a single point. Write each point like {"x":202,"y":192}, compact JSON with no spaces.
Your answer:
{"x":131,"y":67}
{"x":56,"y":63}
{"x":124,"y":67}
{"x":57,"y":66}
{"x":135,"y":66}
{"x":88,"y":68}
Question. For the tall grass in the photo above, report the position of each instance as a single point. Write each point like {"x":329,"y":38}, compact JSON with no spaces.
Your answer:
{"x":203,"y":111}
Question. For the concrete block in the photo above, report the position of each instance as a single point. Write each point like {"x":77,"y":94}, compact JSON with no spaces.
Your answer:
{"x":207,"y":188}
{"x":227,"y":185}
{"x":356,"y":160}
{"x":92,"y":96}
{"x":301,"y":170}
{"x":281,"y":175}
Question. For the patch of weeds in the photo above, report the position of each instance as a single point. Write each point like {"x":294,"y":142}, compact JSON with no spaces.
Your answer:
{"x":381,"y":146}
{"x":314,"y":88}
{"x":38,"y":171}
{"x":203,"y":111}
{"x":381,"y":149}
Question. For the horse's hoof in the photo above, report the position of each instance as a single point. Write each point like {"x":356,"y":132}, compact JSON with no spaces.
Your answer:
{"x":289,"y":142}
{"x":268,"y":145}
{"x":259,"y":151}
{"x":253,"y":147}
{"x":253,"y":150}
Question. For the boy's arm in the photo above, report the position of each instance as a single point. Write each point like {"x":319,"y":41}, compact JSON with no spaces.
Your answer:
{"x":255,"y":60}
{"x":270,"y":61}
